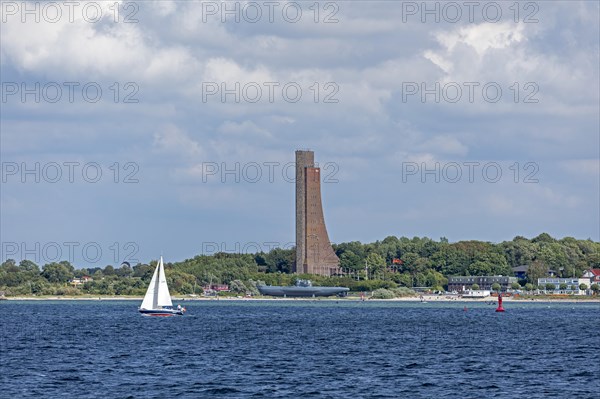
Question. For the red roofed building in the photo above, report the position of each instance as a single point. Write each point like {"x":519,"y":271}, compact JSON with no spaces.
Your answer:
{"x":593,"y":275}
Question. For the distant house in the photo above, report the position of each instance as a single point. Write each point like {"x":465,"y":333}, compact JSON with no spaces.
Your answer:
{"x":464,"y":283}
{"x":520,"y":272}
{"x":216,"y":287}
{"x":593,"y":275}
{"x":82,"y":280}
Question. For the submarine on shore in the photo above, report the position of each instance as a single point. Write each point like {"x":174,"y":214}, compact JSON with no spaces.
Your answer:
{"x":303,"y":288}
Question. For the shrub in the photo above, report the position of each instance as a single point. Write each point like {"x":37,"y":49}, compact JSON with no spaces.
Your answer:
{"x":383,"y":293}
{"x":401,"y":292}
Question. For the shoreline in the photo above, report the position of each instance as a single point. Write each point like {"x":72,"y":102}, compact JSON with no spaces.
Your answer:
{"x":426,"y":298}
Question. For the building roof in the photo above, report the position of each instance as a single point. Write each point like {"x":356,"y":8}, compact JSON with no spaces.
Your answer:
{"x":595,"y":272}
{"x":522,"y":268}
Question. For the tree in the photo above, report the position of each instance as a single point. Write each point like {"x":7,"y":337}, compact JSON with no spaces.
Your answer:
{"x":554,"y":256}
{"x":536,"y":270}
{"x":595,"y":288}
{"x":475,"y":287}
{"x":529,"y":287}
{"x":124,"y":271}
{"x":56,"y":273}
{"x":81,"y":272}
{"x":143,"y":271}
{"x":550,"y":287}
{"x":583,"y":287}
{"x":28,"y":266}
{"x":563,"y":286}
{"x":349,"y":260}
{"x":543,"y":238}
{"x":496,"y":287}
{"x":237,"y":286}
{"x":375,"y":262}
{"x":109,"y":270}
{"x":280,"y":260}
{"x":515,"y":286}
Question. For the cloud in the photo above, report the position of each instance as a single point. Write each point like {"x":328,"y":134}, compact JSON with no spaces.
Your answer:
{"x":173,"y":141}
{"x":582,"y":167}
{"x":446,"y":145}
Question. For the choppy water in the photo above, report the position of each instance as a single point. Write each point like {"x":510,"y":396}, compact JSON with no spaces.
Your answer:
{"x":293,"y":349}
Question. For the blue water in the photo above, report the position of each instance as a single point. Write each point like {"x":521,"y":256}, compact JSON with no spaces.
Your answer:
{"x":293,"y":349}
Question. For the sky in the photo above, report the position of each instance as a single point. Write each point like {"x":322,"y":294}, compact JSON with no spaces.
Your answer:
{"x":134,"y":129}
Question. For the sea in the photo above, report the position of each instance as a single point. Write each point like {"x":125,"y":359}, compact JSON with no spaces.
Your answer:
{"x":300,"y":349}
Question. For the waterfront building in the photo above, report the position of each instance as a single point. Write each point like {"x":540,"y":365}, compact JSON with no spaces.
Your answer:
{"x":593,"y":276}
{"x":572,"y":285}
{"x":464,"y":283}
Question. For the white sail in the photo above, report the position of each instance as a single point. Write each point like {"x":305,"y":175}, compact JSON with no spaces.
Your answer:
{"x":149,"y":301}
{"x":163,"y":297}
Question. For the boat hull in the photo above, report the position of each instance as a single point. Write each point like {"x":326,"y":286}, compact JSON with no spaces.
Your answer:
{"x":295,"y":291}
{"x":161,"y":312}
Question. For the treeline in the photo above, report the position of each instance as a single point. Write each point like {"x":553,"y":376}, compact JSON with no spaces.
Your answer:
{"x":391,"y":263}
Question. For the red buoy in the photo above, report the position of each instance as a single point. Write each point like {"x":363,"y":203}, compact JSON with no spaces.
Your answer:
{"x":499,"y":308}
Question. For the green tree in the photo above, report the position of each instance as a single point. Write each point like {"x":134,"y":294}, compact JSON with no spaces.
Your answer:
{"x":583,"y":287}
{"x":475,"y":287}
{"x":563,"y":286}
{"x":238,"y":286}
{"x":349,"y":260}
{"x":543,"y":238}
{"x":81,"y":272}
{"x":109,"y":271}
{"x":56,"y":273}
{"x":595,"y":288}
{"x":550,"y":287}
{"x":280,"y":260}
{"x":29,"y":267}
{"x":515,"y":286}
{"x":496,"y":287}
{"x":124,"y":271}
{"x":536,"y":270}
{"x":529,"y":287}
{"x":375,"y":262}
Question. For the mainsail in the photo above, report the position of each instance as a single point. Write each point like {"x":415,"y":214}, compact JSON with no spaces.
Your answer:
{"x":157,"y":295}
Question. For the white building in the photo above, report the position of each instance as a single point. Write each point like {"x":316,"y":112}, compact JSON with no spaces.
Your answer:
{"x":572,"y":284}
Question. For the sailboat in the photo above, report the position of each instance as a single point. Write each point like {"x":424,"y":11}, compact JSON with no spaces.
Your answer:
{"x":157,"y":301}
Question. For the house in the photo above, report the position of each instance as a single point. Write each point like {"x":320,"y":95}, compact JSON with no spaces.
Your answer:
{"x":593,"y":275}
{"x":216,"y":287}
{"x":79,"y":281}
{"x":520,"y":272}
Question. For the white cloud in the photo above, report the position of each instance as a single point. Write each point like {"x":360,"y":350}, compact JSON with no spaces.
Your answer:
{"x":446,"y":144}
{"x":484,"y":36}
{"x":582,"y":167}
{"x":174,"y":141}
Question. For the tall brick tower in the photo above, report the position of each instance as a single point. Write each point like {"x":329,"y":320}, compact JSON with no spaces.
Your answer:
{"x":313,"y":249}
